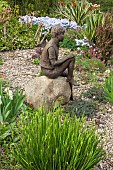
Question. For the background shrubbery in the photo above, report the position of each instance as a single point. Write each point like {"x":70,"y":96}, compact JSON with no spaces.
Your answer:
{"x":19,"y":36}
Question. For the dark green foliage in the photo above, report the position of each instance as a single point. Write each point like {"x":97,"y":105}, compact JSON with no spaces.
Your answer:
{"x":19,"y":36}
{"x":69,"y":43}
{"x":95,"y":93}
{"x":56,"y":142}
{"x":81,"y":108}
{"x":28,"y":6}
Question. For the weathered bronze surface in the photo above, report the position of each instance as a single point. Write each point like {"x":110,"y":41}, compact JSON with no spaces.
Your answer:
{"x":53,"y":67}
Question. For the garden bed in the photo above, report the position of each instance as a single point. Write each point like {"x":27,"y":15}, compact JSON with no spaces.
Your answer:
{"x":18,"y":69}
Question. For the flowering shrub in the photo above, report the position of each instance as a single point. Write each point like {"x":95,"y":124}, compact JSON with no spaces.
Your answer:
{"x":49,"y":22}
{"x":104,"y":39}
{"x":95,"y":52}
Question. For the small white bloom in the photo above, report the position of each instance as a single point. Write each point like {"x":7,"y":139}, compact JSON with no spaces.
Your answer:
{"x":78,"y":48}
{"x":0,"y":100}
{"x":6,"y":89}
{"x":10,"y":93}
{"x":107,"y":71}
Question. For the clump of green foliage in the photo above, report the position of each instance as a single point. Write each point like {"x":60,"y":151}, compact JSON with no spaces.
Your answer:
{"x":77,"y":11}
{"x":70,"y":142}
{"x":36,"y":61}
{"x":88,"y":30}
{"x":108,"y":88}
{"x":2,"y":5}
{"x":41,"y":8}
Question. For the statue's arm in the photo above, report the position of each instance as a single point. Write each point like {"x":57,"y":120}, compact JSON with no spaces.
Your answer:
{"x":54,"y":61}
{"x":52,"y":56}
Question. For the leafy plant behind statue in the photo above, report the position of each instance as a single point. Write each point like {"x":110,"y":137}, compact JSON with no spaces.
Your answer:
{"x":89,"y":29}
{"x":77,"y":11}
{"x":69,"y":43}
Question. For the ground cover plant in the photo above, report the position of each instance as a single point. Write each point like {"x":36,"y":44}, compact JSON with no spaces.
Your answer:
{"x":71,"y":144}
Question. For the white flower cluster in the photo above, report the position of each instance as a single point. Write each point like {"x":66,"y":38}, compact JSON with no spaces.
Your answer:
{"x":49,"y":22}
{"x":82,"y":42}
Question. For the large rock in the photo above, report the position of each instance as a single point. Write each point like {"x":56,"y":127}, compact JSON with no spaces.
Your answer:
{"x":42,"y":90}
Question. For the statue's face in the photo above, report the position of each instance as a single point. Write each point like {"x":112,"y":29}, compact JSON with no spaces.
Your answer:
{"x":61,"y":36}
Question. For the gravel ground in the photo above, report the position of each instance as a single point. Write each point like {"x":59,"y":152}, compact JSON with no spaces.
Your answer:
{"x":19,"y":69}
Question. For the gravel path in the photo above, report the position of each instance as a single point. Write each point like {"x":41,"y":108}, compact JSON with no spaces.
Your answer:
{"x":19,"y":70}
{"x":18,"y":67}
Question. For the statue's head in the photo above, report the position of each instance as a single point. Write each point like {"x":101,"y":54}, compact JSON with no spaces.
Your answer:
{"x":57,"y":30}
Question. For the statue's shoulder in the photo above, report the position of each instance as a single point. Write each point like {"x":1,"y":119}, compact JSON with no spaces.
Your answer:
{"x":51,"y":43}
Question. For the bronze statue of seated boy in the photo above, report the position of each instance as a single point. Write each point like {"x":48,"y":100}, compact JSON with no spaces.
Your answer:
{"x":51,"y":66}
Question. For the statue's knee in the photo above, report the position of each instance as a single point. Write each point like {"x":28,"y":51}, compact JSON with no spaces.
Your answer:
{"x":71,"y":55}
{"x":73,"y":59}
